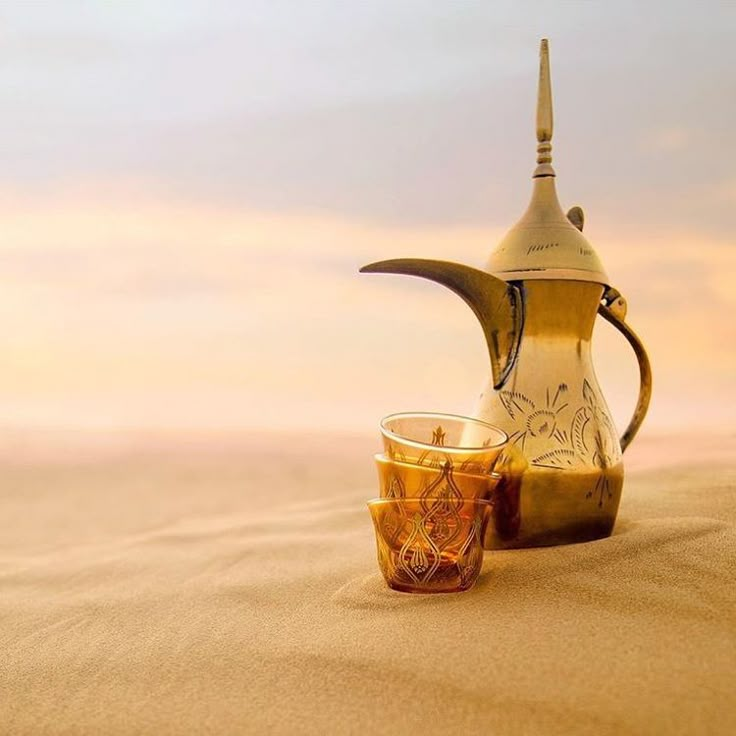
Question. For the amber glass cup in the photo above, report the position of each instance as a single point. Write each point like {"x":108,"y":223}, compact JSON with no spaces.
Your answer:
{"x":468,"y":445}
{"x":407,"y":480}
{"x":430,"y":545}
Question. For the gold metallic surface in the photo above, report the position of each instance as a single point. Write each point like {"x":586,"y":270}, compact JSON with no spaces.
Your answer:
{"x":616,"y":318}
{"x":553,"y":411}
{"x":545,"y":244}
{"x":576,"y":217}
{"x":545,"y":121}
{"x":537,"y":302}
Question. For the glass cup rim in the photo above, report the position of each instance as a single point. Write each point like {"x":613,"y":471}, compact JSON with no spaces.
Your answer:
{"x":380,"y":458}
{"x":386,"y":432}
{"x":383,"y":501}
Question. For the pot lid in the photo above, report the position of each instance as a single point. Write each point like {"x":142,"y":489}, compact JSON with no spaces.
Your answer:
{"x":546,"y":243}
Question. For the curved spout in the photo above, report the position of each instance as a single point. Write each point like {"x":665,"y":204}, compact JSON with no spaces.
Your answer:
{"x":496,"y":304}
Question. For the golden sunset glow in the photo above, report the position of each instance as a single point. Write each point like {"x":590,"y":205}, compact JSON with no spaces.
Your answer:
{"x":181,"y":233}
{"x":132,"y":311}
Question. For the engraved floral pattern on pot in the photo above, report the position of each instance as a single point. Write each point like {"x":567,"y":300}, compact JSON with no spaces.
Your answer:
{"x":589,"y":438}
{"x":534,"y":420}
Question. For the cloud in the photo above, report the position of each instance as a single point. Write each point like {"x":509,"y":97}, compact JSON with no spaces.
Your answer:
{"x":390,"y":113}
{"x":186,"y":196}
{"x":669,"y":139}
{"x":114,"y":307}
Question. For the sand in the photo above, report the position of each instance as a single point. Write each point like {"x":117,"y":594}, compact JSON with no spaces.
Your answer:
{"x":190,"y":584}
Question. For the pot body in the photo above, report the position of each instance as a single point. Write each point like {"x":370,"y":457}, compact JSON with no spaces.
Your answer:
{"x":552,"y":408}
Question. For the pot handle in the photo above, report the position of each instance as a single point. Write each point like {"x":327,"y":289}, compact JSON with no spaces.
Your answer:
{"x":613,"y":309}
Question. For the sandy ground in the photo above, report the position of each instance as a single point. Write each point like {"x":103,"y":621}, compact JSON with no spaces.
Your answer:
{"x":183,"y":583}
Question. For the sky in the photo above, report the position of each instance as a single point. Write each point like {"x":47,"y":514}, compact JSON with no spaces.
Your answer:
{"x":188,"y":189}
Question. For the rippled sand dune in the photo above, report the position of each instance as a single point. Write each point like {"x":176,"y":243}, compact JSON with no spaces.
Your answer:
{"x":188,"y":583}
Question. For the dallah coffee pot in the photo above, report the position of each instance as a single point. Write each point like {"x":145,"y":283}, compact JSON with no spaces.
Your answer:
{"x":537,"y":302}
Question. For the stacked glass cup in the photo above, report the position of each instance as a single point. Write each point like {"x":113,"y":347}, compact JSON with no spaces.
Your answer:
{"x":438,"y":487}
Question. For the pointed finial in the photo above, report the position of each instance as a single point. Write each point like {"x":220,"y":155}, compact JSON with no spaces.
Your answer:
{"x":544,"y":114}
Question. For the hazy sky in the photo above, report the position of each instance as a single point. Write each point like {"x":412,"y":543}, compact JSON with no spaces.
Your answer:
{"x":187,"y":190}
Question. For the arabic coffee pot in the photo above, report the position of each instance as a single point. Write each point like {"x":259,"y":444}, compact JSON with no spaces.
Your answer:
{"x":537,"y":301}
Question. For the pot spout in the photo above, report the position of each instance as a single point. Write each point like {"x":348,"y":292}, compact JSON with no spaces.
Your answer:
{"x":497,"y":305}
